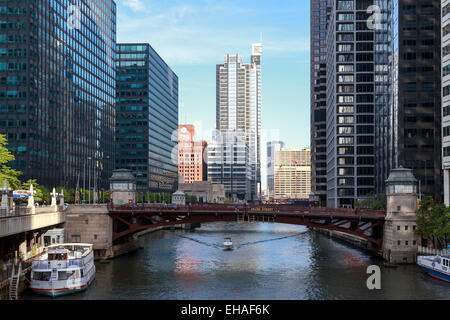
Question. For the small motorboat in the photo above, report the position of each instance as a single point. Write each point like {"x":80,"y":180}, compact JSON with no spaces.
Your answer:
{"x":228,"y":244}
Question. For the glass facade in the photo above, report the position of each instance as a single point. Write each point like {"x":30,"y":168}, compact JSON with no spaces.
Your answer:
{"x":320,"y":15}
{"x":147,"y":118}
{"x":408,"y":126}
{"x":57,"y":88}
{"x":229,"y":164}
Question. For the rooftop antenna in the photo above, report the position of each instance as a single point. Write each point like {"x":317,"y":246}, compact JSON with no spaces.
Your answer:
{"x":260,"y":38}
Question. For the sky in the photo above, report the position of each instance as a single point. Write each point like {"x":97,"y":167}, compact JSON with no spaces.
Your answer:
{"x":193,"y":36}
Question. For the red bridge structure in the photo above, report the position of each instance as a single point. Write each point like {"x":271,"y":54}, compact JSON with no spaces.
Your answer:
{"x":130,"y":219}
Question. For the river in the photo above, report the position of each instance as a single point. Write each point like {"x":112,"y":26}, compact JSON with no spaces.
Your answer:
{"x":270,"y":261}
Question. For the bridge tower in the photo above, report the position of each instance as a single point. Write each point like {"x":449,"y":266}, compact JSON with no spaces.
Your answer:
{"x":123,"y":187}
{"x":400,"y":243}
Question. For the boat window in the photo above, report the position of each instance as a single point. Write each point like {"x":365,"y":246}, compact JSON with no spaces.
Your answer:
{"x":41,"y":276}
{"x":62,"y":275}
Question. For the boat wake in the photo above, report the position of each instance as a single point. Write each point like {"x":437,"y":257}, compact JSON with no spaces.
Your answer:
{"x":268,"y":240}
{"x":217,"y":246}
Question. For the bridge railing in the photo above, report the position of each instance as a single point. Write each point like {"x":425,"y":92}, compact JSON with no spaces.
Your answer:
{"x":213,"y":207}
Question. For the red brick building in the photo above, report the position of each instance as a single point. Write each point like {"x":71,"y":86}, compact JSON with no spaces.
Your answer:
{"x":191,"y":161}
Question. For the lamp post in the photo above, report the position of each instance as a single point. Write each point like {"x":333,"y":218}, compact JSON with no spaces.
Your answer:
{"x":89,"y":158}
{"x":84,"y":181}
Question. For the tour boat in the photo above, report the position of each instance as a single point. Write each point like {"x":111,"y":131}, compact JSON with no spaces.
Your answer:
{"x":436,"y":266}
{"x":228,"y":244}
{"x":63,"y":269}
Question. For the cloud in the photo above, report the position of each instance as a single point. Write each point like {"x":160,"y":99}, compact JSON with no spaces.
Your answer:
{"x":203,"y":32}
{"x":135,"y":5}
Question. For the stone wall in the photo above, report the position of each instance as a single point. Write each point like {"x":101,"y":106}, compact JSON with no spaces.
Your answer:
{"x":90,"y":224}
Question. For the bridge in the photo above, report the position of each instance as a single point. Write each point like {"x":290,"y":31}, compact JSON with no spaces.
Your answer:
{"x":130,"y":219}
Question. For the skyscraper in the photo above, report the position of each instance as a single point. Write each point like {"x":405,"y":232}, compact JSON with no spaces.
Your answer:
{"x":415,"y":115}
{"x":57,"y":89}
{"x":320,"y":15}
{"x":357,"y":78}
{"x":238,"y":105}
{"x":382,"y":108}
{"x":272,"y":148}
{"x":147,"y":118}
{"x":446,"y":98}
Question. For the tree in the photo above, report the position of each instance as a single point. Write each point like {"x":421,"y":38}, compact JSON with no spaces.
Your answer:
{"x":6,"y":173}
{"x":433,"y":222}
{"x":42,"y":193}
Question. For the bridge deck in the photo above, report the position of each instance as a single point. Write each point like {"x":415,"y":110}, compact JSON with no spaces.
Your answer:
{"x":130,"y":219}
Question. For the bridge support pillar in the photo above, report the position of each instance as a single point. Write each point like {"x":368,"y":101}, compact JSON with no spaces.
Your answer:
{"x":400,"y":243}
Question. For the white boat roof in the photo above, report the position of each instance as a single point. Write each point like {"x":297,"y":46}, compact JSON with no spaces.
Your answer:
{"x":59,"y":245}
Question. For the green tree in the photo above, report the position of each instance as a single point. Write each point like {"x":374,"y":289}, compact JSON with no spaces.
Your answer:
{"x":6,"y":173}
{"x":40,"y":195}
{"x":433,"y":222}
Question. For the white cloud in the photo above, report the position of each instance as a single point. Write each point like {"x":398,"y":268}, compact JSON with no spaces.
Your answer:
{"x":191,"y":34}
{"x":135,"y":5}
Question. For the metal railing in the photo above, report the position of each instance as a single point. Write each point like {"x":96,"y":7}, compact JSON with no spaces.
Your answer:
{"x":433,"y":252}
{"x":7,"y":271}
{"x":16,"y":211}
{"x":242,"y":208}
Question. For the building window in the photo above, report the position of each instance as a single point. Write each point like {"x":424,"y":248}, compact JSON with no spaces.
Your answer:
{"x":76,"y":238}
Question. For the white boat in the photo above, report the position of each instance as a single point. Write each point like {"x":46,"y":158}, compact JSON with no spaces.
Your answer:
{"x":437,"y":267}
{"x":63,"y":269}
{"x":228,"y":244}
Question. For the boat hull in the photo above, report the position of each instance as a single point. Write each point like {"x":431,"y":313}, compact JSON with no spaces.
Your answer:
{"x":436,"y":274}
{"x":58,"y":292}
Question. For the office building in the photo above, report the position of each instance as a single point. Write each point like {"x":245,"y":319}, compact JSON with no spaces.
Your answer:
{"x":272,"y":148}
{"x":229,"y":164}
{"x":320,"y":15}
{"x":416,"y":108}
{"x":238,"y":105}
{"x":292,"y":174}
{"x":147,"y":118}
{"x":192,"y":156}
{"x":57,"y":90}
{"x":357,"y":84}
{"x":446,"y":98}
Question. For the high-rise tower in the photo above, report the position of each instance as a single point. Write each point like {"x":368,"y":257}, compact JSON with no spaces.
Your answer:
{"x":57,"y":89}
{"x":238,"y":105}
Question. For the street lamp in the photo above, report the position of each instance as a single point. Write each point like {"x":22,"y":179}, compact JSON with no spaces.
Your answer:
{"x":89,"y":158}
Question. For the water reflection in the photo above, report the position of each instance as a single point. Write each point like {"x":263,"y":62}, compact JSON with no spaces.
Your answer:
{"x":271,"y":261}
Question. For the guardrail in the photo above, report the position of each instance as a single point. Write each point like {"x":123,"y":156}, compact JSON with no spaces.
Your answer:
{"x":16,"y":211}
{"x":241,"y":209}
{"x":434,"y":252}
{"x":6,"y":272}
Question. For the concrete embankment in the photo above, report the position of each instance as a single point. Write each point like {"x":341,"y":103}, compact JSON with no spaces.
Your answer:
{"x":348,"y":238}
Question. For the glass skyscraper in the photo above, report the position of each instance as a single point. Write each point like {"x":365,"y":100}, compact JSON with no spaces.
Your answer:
{"x":57,"y":89}
{"x":416,"y":133}
{"x":320,"y":16}
{"x":147,"y":118}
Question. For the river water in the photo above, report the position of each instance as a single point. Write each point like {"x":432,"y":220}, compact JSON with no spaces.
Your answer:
{"x":270,"y":261}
